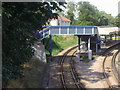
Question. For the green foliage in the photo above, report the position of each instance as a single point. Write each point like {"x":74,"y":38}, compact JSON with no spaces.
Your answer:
{"x":20,"y":22}
{"x":60,"y":42}
{"x":117,"y":20}
{"x":117,"y":38}
{"x":106,"y":19}
{"x":71,"y":12}
{"x":85,"y":56}
{"x":87,"y":14}
{"x":83,"y":13}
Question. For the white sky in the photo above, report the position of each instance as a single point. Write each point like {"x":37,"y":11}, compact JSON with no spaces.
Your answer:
{"x":109,"y":6}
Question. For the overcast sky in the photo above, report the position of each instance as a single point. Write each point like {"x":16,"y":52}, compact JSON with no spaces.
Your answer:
{"x":109,"y":6}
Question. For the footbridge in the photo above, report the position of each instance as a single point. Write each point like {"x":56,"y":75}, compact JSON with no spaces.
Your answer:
{"x":68,"y":30}
{"x":89,"y":34}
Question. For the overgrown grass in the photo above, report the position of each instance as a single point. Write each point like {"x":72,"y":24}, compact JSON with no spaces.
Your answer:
{"x":94,"y":56}
{"x":117,"y":38}
{"x":33,"y":71}
{"x":60,"y":42}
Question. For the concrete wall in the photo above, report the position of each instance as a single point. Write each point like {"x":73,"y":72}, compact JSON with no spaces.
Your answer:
{"x":39,"y":51}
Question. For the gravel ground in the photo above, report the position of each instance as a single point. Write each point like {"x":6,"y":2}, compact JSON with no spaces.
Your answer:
{"x":51,"y":78}
{"x":118,"y":64}
{"x":52,"y":75}
{"x":91,"y":73}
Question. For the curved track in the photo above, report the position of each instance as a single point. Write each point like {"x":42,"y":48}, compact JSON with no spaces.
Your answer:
{"x":109,"y":67}
{"x":115,"y":67}
{"x":69,"y":77}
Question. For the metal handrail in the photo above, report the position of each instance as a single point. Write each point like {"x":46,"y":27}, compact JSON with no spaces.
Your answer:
{"x":45,"y":30}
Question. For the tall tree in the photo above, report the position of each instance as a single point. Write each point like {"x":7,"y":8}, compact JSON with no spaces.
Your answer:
{"x":106,"y":19}
{"x":117,"y":20}
{"x":83,"y":13}
{"x":87,"y":14}
{"x":71,"y":12}
{"x":20,"y":20}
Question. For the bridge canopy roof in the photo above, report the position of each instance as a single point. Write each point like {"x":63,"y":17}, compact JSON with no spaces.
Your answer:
{"x":106,"y":30}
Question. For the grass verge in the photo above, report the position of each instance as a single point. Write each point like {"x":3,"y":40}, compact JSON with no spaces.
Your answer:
{"x":33,"y":71}
{"x":60,"y":42}
{"x":117,"y":38}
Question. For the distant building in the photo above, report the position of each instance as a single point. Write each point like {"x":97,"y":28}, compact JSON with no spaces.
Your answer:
{"x":61,"y":21}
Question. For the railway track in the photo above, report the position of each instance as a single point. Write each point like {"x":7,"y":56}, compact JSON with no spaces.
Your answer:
{"x":110,"y":71}
{"x":69,"y":76}
{"x":115,"y":67}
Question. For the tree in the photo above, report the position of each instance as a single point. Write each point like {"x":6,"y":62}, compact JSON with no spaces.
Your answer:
{"x":106,"y":19}
{"x":87,"y":14}
{"x":117,"y":20}
{"x":20,"y":22}
{"x":103,"y":21}
{"x":83,"y":13}
{"x":71,"y":12}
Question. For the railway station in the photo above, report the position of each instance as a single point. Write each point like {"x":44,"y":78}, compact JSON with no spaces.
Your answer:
{"x":60,"y":45}
{"x":95,"y":39}
{"x":91,"y":35}
{"x":92,"y":39}
{"x":84,"y":33}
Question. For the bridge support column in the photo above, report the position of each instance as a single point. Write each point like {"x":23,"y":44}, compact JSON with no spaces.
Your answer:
{"x":89,"y":50}
{"x":96,"y":47}
{"x":50,"y":43}
{"x":79,"y":43}
{"x":89,"y":43}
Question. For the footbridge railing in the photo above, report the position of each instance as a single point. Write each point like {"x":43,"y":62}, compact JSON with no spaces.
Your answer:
{"x":68,"y":30}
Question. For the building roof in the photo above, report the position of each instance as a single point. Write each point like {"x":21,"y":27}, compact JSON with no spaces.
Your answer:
{"x":107,"y":30}
{"x":64,"y":18}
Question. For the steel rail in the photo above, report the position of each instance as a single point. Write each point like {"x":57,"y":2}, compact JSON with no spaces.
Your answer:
{"x":114,"y":67}
{"x":104,"y":73}
{"x":73,"y":72}
{"x":106,"y":53}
